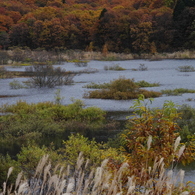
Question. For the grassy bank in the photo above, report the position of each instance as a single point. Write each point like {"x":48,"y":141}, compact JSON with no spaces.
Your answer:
{"x":24,"y":57}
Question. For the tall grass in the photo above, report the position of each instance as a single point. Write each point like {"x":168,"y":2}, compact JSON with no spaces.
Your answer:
{"x":48,"y":180}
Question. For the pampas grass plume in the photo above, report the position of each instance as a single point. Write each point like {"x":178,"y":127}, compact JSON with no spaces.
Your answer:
{"x":149,"y":142}
{"x":177,"y":142}
{"x":181,"y":150}
{"x":9,"y":172}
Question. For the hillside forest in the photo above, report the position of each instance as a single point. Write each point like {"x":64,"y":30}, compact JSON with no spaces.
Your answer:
{"x":136,"y":26}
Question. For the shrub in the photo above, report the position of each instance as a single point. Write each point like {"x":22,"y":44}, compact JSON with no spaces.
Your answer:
{"x":121,"y":89}
{"x":95,"y":152}
{"x":186,"y":121}
{"x":47,"y":76}
{"x":46,"y":121}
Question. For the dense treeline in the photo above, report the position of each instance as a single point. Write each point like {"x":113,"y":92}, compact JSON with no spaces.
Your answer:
{"x":113,"y":25}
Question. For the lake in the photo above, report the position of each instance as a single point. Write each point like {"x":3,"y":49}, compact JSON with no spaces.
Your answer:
{"x":164,"y":72}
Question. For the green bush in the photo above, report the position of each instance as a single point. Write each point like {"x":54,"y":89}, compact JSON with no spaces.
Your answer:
{"x":46,"y":122}
{"x":95,"y":152}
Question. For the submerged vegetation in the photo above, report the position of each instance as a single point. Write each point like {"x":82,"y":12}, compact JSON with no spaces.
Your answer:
{"x":115,"y":67}
{"x":186,"y":68}
{"x":151,"y":142}
{"x":178,"y":91}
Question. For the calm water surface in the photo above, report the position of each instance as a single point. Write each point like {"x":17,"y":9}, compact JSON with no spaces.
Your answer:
{"x":163,"y":72}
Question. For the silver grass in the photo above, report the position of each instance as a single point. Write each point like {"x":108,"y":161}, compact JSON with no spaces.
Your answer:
{"x":62,"y":185}
{"x":71,"y":185}
{"x":87,"y":163}
{"x":79,"y":185}
{"x":46,"y":172}
{"x":80,"y":160}
{"x":88,"y":181}
{"x":112,"y":186}
{"x":104,"y":163}
{"x":52,"y":180}
{"x":181,"y":150}
{"x":131,"y":185}
{"x":149,"y":142}
{"x":169,"y":180}
{"x":4,"y":187}
{"x":23,"y":188}
{"x":185,"y":193}
{"x":68,"y":170}
{"x":41,"y":164}
{"x":98,"y":175}
{"x":177,"y":142}
{"x":182,"y":174}
{"x":18,"y":180}
{"x":121,"y":170}
{"x":56,"y":168}
{"x":9,"y":172}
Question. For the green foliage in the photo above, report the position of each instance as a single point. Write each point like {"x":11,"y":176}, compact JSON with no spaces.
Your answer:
{"x":95,"y":152}
{"x":30,"y":155}
{"x":46,"y":120}
{"x":121,"y":89}
{"x":146,"y":84}
{"x":178,"y":91}
{"x":186,"y":121}
{"x":5,"y":163}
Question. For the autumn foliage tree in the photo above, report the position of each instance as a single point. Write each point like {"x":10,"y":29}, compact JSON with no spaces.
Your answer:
{"x":125,"y":26}
{"x":152,"y":136}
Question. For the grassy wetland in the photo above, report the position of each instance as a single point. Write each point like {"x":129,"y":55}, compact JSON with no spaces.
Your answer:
{"x":49,"y":128}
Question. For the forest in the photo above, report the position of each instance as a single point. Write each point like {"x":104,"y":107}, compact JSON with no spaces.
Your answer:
{"x":136,"y":26}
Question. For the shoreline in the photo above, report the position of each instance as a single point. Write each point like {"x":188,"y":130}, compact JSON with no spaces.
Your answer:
{"x":23,"y":57}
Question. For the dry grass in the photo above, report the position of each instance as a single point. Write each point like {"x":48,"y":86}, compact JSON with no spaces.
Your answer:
{"x":100,"y":181}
